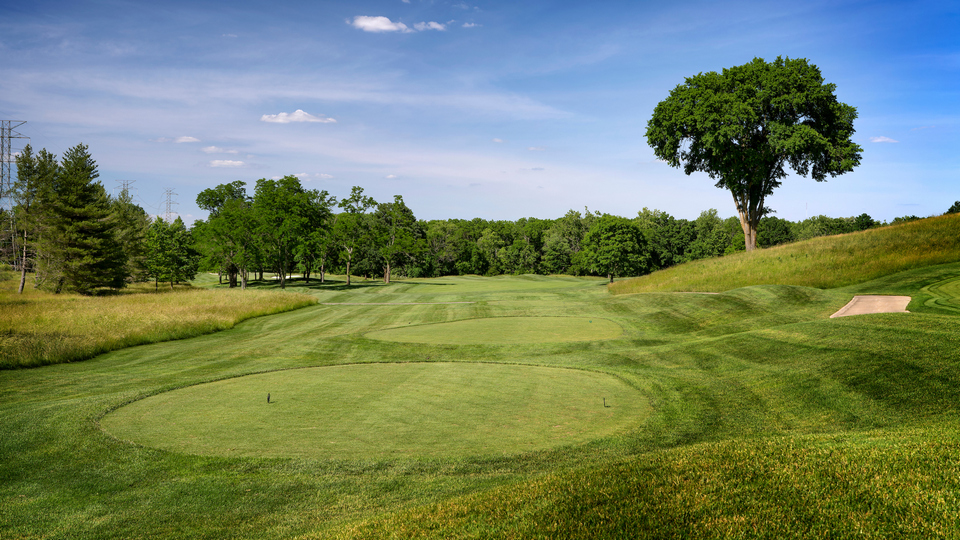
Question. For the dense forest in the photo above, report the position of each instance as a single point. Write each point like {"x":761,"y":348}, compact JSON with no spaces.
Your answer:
{"x":67,"y":231}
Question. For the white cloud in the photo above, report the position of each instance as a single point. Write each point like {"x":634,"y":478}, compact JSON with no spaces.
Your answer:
{"x":497,"y":140}
{"x":391,"y":176}
{"x":922,"y":127}
{"x":226,"y":163}
{"x":378,"y":24}
{"x":324,"y":175}
{"x":882,"y":139}
{"x":421,"y":26}
{"x":217,"y":150}
{"x":186,"y":139}
{"x":470,"y":25}
{"x":536,"y":149}
{"x":296,"y":116}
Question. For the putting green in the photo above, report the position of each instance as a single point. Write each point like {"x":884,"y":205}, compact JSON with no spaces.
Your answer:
{"x":504,"y":330}
{"x":376,"y":411}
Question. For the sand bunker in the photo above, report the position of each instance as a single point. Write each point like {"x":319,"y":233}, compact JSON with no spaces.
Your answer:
{"x":863,"y":305}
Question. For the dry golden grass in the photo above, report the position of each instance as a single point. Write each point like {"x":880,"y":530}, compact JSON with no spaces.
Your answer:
{"x":825,"y":263}
{"x":38,"y":328}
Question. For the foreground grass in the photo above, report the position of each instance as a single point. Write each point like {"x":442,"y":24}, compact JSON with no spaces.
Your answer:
{"x":826,"y":262}
{"x":767,"y":420}
{"x":876,"y":484}
{"x":39,"y":328}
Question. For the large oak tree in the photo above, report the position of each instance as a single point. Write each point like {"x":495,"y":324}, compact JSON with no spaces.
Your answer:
{"x":745,"y":125}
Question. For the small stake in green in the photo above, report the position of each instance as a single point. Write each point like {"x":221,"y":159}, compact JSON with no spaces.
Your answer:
{"x":605,"y":403}
{"x":268,"y":397}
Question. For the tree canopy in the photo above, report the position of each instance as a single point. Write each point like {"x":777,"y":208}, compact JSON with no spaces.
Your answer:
{"x":745,"y":125}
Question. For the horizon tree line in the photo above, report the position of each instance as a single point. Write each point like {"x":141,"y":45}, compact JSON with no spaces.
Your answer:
{"x":73,"y":236}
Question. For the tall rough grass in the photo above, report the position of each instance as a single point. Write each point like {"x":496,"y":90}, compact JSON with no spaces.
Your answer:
{"x":825,"y":263}
{"x":38,"y":328}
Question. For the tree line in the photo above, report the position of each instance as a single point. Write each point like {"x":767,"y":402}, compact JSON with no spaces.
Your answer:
{"x":73,"y":236}
{"x":65,"y":229}
{"x":284,"y":228}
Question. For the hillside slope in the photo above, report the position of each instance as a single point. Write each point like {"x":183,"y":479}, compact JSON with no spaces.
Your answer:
{"x":825,"y":263}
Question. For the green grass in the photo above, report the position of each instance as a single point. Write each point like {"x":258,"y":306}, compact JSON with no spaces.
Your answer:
{"x":39,"y":328}
{"x":826,"y":262}
{"x":378,"y":411}
{"x":504,"y":330}
{"x":760,"y":418}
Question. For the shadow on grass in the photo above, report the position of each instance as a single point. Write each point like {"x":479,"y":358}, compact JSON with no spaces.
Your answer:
{"x":300,"y":284}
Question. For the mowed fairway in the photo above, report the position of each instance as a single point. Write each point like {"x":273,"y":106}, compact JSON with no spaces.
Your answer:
{"x":744,"y":414}
{"x":505,"y":330}
{"x":377,"y":411}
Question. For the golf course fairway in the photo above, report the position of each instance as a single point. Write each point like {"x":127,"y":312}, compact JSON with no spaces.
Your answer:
{"x":505,"y":330}
{"x":384,"y":410}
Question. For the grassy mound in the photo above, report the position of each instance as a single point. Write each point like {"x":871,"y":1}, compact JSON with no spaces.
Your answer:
{"x":827,"y":262}
{"x":379,"y":411}
{"x":505,"y":330}
{"x":869,"y":485}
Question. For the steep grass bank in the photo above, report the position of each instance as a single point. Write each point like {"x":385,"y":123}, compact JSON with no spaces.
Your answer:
{"x":39,"y":328}
{"x":827,"y":262}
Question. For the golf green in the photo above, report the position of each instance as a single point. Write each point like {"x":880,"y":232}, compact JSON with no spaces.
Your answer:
{"x":504,"y":330}
{"x":383,"y":411}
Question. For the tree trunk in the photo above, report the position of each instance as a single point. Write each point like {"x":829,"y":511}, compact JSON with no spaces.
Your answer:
{"x":321,"y":273}
{"x":348,"y":272}
{"x":611,"y":277}
{"x":749,"y":232}
{"x":386,"y":274}
{"x":23,"y":264}
{"x":243,"y":279}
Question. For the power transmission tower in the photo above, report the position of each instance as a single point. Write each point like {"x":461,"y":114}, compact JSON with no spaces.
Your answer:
{"x":124,"y":185}
{"x":7,"y":158}
{"x":170,"y":203}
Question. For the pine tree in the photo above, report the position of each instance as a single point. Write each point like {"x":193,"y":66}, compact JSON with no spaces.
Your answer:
{"x":31,"y":195}
{"x":132,"y":223}
{"x":84,"y":253}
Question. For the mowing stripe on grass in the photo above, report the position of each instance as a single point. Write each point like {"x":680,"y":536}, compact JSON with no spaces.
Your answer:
{"x":391,"y":303}
{"x":504,"y":330}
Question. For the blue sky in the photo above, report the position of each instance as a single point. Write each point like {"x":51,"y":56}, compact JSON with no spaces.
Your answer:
{"x":492,"y":109}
